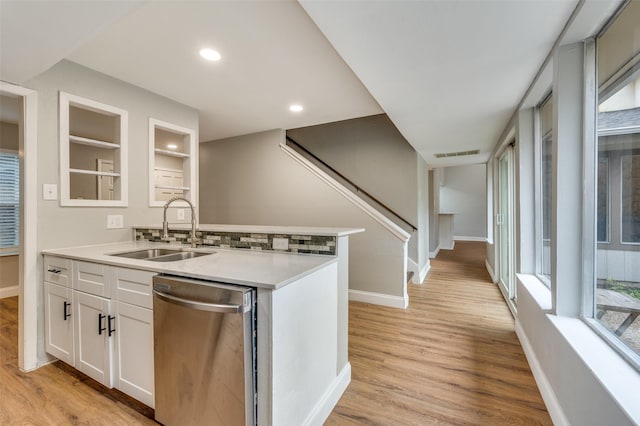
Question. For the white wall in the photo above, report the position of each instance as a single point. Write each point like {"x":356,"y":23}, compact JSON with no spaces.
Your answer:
{"x":249,"y":179}
{"x":464,"y":193}
{"x":72,"y":226}
{"x":562,"y":353}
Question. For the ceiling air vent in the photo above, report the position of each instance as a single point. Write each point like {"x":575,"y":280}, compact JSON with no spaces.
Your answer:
{"x":458,"y":154}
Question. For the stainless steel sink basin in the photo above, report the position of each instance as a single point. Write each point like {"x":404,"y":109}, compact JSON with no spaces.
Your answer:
{"x":183,"y":255}
{"x":147,"y":253}
{"x":162,"y":254}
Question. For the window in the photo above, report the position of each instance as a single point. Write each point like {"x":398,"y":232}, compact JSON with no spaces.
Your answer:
{"x":545,"y":115}
{"x":617,"y":282}
{"x":9,"y":199}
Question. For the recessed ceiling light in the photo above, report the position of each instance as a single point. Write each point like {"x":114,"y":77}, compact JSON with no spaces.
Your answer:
{"x":295,"y":108}
{"x":210,"y":54}
{"x":172,"y":146}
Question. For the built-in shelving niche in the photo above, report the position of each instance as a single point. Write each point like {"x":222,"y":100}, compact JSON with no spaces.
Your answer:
{"x":172,"y":162}
{"x":93,"y":153}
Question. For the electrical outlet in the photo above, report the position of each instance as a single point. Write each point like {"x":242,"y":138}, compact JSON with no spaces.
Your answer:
{"x":114,"y":221}
{"x":280,"y":244}
{"x":49,"y":191}
{"x":180,"y":213}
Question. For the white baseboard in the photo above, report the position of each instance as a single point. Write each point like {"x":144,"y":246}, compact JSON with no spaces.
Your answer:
{"x":379,"y":299}
{"x":433,"y":254}
{"x":490,"y":271}
{"x":453,"y":244}
{"x":423,"y":273}
{"x":546,"y":391}
{"x":9,"y":291}
{"x":325,"y":405}
{"x":463,"y":238}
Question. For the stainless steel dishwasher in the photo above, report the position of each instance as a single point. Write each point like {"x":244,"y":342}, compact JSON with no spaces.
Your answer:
{"x":204,"y":352}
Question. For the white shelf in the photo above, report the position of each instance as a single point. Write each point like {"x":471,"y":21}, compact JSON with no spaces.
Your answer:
{"x":171,"y":153}
{"x":93,"y":142}
{"x":93,"y":172}
{"x":175,"y":188}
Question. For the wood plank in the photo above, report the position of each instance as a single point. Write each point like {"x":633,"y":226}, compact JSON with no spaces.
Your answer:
{"x":56,"y":394}
{"x":451,"y":358}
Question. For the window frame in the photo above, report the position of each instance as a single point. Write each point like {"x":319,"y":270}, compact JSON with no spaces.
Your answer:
{"x":592,"y":94}
{"x":538,"y":188}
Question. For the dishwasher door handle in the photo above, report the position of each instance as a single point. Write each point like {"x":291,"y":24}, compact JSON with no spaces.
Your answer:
{"x":202,"y":306}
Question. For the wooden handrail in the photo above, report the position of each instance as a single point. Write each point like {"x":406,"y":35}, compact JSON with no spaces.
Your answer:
{"x":290,"y":142}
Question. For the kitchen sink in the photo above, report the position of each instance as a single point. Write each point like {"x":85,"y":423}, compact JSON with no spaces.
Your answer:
{"x":162,"y":254}
{"x":183,"y":255}
{"x":146,"y":254}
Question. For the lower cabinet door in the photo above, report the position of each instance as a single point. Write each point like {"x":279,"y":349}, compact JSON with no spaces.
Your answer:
{"x":58,"y":311}
{"x":95,"y":332}
{"x":134,"y":352}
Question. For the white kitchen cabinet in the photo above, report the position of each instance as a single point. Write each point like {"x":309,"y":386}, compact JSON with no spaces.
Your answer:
{"x":94,"y":331}
{"x":58,"y":311}
{"x":57,"y":271}
{"x":109,"y":340}
{"x":133,"y":286}
{"x":92,"y":278}
{"x":134,"y":352}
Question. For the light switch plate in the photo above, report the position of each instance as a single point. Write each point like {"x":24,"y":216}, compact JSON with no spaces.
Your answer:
{"x":281,"y":244}
{"x":114,"y":221}
{"x":49,"y":191}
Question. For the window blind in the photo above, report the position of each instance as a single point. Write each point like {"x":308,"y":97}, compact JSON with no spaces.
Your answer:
{"x":9,"y":199}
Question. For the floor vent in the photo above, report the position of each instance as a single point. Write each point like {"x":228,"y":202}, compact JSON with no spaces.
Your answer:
{"x":458,"y":154}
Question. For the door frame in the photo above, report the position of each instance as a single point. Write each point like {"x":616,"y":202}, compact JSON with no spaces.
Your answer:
{"x":28,"y":277}
{"x":508,"y":290}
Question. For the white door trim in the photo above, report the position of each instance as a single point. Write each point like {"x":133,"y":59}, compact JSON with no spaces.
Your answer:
{"x":28,"y":266}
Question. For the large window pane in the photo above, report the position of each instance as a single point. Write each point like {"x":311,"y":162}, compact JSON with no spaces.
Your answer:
{"x":617,"y":295}
{"x":546,"y":166}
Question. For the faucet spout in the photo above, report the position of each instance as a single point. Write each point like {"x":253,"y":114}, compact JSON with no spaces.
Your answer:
{"x":165,"y":223}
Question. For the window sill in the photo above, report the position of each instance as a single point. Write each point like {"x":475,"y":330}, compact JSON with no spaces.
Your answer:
{"x":538,"y":290}
{"x":615,"y":374}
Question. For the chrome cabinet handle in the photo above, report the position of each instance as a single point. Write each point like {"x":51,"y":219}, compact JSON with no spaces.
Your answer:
{"x":201,"y":306}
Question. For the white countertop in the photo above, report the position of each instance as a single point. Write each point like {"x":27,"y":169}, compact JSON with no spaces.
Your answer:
{"x":266,"y":269}
{"x":262,"y":229}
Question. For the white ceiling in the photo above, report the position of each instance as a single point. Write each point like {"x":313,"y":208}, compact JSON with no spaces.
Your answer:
{"x":448,"y":73}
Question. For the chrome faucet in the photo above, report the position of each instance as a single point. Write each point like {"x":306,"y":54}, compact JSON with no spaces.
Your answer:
{"x":165,"y":224}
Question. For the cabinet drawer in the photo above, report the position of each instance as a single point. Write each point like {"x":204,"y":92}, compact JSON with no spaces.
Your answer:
{"x":57,"y":270}
{"x":92,"y":278}
{"x":133,"y":286}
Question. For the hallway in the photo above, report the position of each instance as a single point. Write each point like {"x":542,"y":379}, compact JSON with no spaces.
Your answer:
{"x":452,"y":358}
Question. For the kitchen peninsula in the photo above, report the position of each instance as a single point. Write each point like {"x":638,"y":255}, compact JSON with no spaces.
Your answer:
{"x":301,"y":279}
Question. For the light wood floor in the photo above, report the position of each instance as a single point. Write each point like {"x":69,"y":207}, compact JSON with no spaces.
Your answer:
{"x":451,"y":358}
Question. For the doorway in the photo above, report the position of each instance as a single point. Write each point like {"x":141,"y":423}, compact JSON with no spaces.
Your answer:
{"x":27,"y":113}
{"x":506,"y":227}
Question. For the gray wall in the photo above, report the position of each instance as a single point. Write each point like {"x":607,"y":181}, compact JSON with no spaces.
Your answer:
{"x":465,"y":193}
{"x":249,"y":180}
{"x":372,"y":153}
{"x":73,"y":226}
